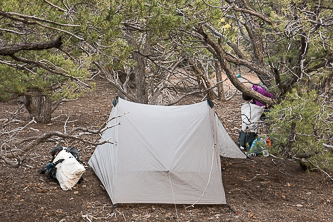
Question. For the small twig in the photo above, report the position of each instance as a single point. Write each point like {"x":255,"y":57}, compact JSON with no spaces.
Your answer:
{"x":65,"y":125}
{"x":286,"y":174}
{"x":19,"y":128}
{"x":230,"y":97}
{"x":54,"y":118}
{"x":121,"y":214}
{"x":11,"y":118}
{"x":7,"y":161}
{"x":321,"y":169}
{"x":87,"y":217}
{"x":57,"y":7}
{"x":37,"y":130}
{"x":327,"y":146}
{"x":52,"y":71}
{"x":256,"y":176}
{"x":276,"y":157}
{"x":26,"y":165}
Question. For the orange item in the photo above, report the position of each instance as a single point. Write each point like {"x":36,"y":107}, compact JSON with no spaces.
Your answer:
{"x":268,"y":142}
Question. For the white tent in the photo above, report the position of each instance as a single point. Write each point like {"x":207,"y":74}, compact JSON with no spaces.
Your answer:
{"x":163,"y":154}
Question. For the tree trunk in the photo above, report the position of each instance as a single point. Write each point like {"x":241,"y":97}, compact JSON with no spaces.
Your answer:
{"x":220,"y":90}
{"x":291,"y":139}
{"x":39,"y":106}
{"x":140,"y":78}
{"x":142,"y":48}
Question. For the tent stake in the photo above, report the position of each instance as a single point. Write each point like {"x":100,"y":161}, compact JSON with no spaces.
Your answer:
{"x":231,"y":209}
{"x":112,"y":208}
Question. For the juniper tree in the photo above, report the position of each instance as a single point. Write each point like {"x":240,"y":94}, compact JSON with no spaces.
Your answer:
{"x":288,"y":44}
{"x":38,"y":57}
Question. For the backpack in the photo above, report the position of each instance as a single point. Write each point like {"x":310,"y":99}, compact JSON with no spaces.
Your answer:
{"x":51,"y":169}
{"x":246,"y":139}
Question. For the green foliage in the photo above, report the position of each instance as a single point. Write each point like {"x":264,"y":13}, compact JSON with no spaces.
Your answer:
{"x":10,"y":82}
{"x":15,"y":82}
{"x":18,"y":78}
{"x":313,"y":127}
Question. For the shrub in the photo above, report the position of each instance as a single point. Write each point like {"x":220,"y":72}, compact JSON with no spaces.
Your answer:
{"x":301,"y":125}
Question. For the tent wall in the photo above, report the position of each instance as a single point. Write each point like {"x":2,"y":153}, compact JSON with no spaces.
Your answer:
{"x":104,"y":159}
{"x":226,"y":146}
{"x":162,"y":154}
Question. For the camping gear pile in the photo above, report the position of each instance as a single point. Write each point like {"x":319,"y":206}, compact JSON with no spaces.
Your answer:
{"x":163,"y":154}
{"x":259,"y":146}
{"x":65,"y":166}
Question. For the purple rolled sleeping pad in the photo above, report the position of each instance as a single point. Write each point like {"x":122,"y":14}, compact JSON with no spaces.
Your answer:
{"x":262,"y":92}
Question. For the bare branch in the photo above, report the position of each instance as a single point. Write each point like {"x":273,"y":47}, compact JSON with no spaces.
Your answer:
{"x":55,"y":6}
{"x":250,"y":11}
{"x":107,"y":76}
{"x":41,"y":65}
{"x":19,"y":128}
{"x":12,"y":31}
{"x":194,"y":92}
{"x":224,"y":58}
{"x":11,"y":15}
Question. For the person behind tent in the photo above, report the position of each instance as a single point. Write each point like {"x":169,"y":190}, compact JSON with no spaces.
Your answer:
{"x":250,"y":115}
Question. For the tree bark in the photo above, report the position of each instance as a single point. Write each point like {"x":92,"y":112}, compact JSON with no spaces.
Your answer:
{"x":12,"y":49}
{"x":142,"y":48}
{"x":220,"y":90}
{"x":140,"y":78}
{"x":39,"y":106}
{"x":291,"y":139}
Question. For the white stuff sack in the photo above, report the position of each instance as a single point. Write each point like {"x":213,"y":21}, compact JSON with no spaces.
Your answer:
{"x":68,"y":171}
{"x":251,"y":114}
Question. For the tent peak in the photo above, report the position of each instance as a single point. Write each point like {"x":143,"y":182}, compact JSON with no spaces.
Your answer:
{"x":210,"y":103}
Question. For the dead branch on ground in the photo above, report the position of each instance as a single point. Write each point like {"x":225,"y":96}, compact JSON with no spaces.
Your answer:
{"x":14,"y":149}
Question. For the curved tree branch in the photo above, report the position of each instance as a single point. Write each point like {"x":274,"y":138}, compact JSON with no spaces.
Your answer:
{"x":249,"y":10}
{"x":224,"y":59}
{"x":41,"y":65}
{"x":12,"y":49}
{"x":24,"y":19}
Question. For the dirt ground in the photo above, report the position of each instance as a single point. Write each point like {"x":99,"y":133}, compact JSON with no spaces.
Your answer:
{"x":257,"y":189}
